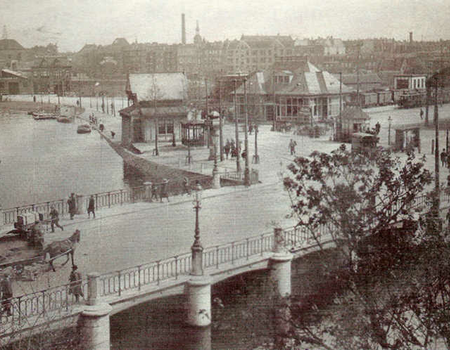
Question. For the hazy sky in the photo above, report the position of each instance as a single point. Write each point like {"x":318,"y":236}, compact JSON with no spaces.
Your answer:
{"x":73,"y":23}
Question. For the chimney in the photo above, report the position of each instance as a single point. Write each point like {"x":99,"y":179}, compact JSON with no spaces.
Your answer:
{"x":410,"y":37}
{"x":183,"y":29}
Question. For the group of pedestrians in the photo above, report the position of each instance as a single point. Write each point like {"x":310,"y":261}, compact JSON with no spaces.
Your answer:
{"x":445,"y":158}
{"x":158,"y":191}
{"x":230,"y":148}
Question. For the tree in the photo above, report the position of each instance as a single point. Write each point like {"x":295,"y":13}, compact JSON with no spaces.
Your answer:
{"x":155,"y":94}
{"x":395,"y":296}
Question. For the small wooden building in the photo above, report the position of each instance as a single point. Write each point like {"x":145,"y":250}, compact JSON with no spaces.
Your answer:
{"x":158,"y":107}
{"x":352,"y":120}
{"x":407,"y":137}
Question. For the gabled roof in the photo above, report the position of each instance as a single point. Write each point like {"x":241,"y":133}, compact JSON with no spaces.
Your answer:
{"x":162,"y":86}
{"x":305,"y":80}
{"x":10,"y":44}
{"x":354,"y":113}
{"x":150,"y":112}
{"x":13,"y":73}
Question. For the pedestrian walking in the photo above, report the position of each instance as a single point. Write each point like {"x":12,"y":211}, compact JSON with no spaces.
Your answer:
{"x":421,"y":113}
{"x":91,"y":207}
{"x":113,"y":134}
{"x":75,"y":284}
{"x":163,"y":191}
{"x":227,"y":148}
{"x":154,"y":193}
{"x":186,"y":189}
{"x":7,"y":294}
{"x":72,"y":203}
{"x":54,"y":216}
{"x":250,"y":128}
{"x":443,"y":157}
{"x":292,"y":145}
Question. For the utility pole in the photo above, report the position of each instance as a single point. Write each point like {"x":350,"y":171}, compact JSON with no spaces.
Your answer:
{"x":339,"y":126}
{"x":220,"y":125}
{"x":238,"y":164}
{"x":437,"y":203}
{"x":247,"y":169}
{"x":274,"y":103}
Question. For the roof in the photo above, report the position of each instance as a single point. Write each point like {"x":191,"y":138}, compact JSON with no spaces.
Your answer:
{"x":306,"y":80}
{"x":10,"y":44}
{"x":17,"y":74}
{"x":162,"y":86}
{"x":150,"y":112}
{"x":370,"y":78}
{"x":354,"y":113}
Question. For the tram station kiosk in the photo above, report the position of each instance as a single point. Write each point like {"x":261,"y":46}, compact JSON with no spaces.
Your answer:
{"x":407,"y":137}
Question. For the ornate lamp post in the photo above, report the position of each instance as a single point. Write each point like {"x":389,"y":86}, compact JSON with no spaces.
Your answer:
{"x":247,"y":166}
{"x":256,"y":156}
{"x":197,"y":249}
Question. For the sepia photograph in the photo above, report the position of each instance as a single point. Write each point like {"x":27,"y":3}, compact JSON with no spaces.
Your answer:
{"x":224,"y":175}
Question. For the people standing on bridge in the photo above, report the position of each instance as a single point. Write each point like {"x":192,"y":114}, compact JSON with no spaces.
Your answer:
{"x":91,"y":207}
{"x":163,"y":191}
{"x":443,"y":157}
{"x":186,"y":189}
{"x":292,"y":145}
{"x":113,"y":134}
{"x":54,"y":216}
{"x":154,"y":192}
{"x":72,"y":203}
{"x":7,"y":294}
{"x":421,"y":113}
{"x":227,"y":148}
{"x":75,"y":283}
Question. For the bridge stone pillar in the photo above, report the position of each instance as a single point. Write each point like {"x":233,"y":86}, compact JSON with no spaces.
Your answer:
{"x":198,"y":303}
{"x":280,"y":265}
{"x":93,"y":324}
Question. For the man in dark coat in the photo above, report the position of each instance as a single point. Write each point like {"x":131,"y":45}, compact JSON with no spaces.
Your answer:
{"x":91,"y":207}
{"x":163,"y":191}
{"x":75,"y":283}
{"x":72,"y":205}
{"x":54,"y":216}
{"x":7,"y":293}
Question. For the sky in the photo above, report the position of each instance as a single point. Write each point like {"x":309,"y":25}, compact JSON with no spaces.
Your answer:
{"x":73,"y":23}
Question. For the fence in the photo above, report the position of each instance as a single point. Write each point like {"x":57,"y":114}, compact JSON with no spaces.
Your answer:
{"x":59,"y":299}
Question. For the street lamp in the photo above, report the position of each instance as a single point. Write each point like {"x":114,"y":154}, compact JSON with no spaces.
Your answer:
{"x":256,"y":156}
{"x":197,"y":249}
{"x":247,"y":166}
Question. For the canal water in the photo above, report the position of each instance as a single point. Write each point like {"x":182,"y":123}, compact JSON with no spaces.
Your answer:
{"x":46,"y":160}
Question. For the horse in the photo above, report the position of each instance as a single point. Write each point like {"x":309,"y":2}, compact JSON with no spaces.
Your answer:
{"x":60,"y":248}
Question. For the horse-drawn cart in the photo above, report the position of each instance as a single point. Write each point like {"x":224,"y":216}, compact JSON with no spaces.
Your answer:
{"x":24,"y":249}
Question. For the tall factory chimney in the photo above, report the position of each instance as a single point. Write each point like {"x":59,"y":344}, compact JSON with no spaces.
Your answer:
{"x":410,"y":37}
{"x":183,"y":29}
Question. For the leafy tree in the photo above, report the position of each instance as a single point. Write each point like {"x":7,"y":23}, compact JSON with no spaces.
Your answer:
{"x":395,"y":296}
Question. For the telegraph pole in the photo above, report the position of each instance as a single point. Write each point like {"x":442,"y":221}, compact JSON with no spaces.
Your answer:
{"x":247,"y":169}
{"x":220,"y":125}
{"x":437,"y":202}
{"x":238,"y":164}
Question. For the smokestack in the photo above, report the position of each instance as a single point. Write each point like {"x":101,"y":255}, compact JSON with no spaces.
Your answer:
{"x":183,"y":29}
{"x":410,"y":37}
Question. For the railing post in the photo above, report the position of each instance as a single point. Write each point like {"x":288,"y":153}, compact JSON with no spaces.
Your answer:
{"x":19,"y":308}
{"x":262,"y":242}
{"x":139,"y":277}
{"x":157,"y":271}
{"x":43,"y":302}
{"x":232,"y":252}
{"x":109,"y":199}
{"x":96,"y":201}
{"x":176,"y":267}
{"x":17,"y":211}
{"x":121,"y":197}
{"x":120,"y":290}
{"x":48,"y":207}
{"x":247,"y":248}
{"x":217,"y":257}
